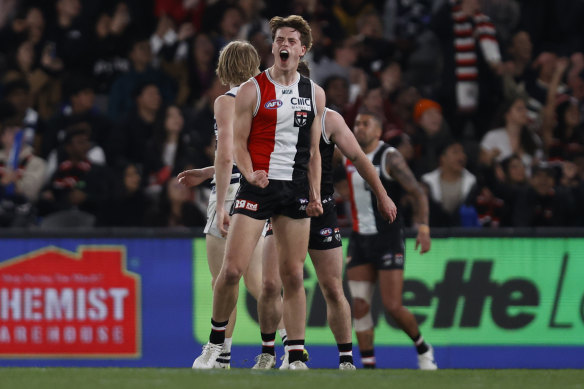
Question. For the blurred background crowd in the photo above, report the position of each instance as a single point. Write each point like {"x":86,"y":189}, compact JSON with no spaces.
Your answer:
{"x":103,"y":102}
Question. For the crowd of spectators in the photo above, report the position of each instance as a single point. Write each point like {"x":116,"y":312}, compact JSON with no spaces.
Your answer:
{"x":103,"y":102}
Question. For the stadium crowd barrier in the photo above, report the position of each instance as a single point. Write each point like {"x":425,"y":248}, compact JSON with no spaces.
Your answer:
{"x":506,"y":298}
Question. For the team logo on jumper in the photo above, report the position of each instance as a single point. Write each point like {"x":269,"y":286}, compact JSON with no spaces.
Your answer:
{"x":273,"y":104}
{"x":300,"y":118}
{"x":246,"y":204}
{"x":81,"y":304}
{"x":326,"y":231}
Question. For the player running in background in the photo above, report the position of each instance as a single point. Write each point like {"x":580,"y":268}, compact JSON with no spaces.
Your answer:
{"x":376,"y":248}
{"x":276,"y":137}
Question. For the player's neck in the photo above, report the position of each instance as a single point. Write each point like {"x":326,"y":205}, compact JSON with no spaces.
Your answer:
{"x":283,"y":77}
{"x":371,"y":147}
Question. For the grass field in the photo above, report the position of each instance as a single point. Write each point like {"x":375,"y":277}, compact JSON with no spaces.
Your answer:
{"x":121,"y":378}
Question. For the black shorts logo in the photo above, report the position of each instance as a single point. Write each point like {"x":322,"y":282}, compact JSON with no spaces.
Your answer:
{"x":300,"y":118}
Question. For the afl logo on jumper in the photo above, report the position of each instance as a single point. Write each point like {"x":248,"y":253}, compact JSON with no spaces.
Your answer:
{"x":273,"y":104}
{"x":300,"y":118}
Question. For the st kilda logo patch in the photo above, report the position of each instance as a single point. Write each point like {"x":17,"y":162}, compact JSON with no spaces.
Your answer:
{"x":300,"y":118}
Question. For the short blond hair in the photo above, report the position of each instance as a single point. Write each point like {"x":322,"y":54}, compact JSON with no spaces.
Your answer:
{"x":295,"y":22}
{"x":238,"y":62}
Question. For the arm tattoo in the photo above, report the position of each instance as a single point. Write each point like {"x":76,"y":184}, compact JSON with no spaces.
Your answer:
{"x":397,"y":167}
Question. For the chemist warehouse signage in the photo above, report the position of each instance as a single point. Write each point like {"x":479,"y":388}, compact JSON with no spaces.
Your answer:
{"x":466,"y":291}
{"x":56,"y":303}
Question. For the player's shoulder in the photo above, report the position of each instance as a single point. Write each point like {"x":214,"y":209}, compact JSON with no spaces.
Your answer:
{"x":247,"y":90}
{"x":224,"y":101}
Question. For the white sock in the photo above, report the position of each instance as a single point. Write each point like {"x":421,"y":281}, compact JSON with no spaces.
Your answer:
{"x":227,"y":345}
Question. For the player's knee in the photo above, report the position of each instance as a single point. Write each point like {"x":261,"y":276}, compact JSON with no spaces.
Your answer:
{"x":362,"y":293}
{"x":332,"y":291}
{"x":271,"y":288}
{"x":293,"y":280}
{"x":360,"y":308}
{"x":362,"y":317}
{"x":393,"y":307}
{"x":232,"y":274}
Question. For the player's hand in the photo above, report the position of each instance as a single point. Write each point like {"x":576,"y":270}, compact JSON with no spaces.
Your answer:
{"x":193,"y":177}
{"x":259,"y":178}
{"x":314,"y":208}
{"x":222,"y":221}
{"x":387,"y":208}
{"x":423,"y":239}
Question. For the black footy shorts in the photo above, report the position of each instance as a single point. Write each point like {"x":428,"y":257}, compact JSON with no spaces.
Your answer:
{"x":324,"y":230}
{"x":288,"y":198}
{"x":384,"y":251}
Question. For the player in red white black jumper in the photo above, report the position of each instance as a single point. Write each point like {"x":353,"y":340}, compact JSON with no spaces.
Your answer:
{"x":276,"y":137}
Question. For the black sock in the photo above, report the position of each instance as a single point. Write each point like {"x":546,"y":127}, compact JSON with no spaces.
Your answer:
{"x":268,"y":343}
{"x":421,"y":345}
{"x":218,"y":332}
{"x":345,"y":352}
{"x":295,"y":350}
{"x":368,"y":358}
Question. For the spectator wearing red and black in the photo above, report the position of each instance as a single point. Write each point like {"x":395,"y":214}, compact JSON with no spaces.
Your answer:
{"x":469,"y":85}
{"x":77,"y":183}
{"x":131,"y":135}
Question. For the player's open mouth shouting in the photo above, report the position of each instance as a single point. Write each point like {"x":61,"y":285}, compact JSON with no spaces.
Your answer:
{"x":284,"y":55}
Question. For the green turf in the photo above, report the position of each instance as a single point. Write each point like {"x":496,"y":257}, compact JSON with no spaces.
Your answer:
{"x":120,"y":378}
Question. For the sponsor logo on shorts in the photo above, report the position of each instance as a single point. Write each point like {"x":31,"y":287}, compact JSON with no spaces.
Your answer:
{"x":326,"y":231}
{"x":387,"y":259}
{"x":273,"y":104}
{"x":246,"y":204}
{"x":328,"y":239}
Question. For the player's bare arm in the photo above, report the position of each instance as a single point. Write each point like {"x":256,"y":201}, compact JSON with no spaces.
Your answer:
{"x":224,"y":109}
{"x":194,"y":177}
{"x":342,"y":136}
{"x":314,"y":207}
{"x":397,"y":167}
{"x":244,"y":107}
